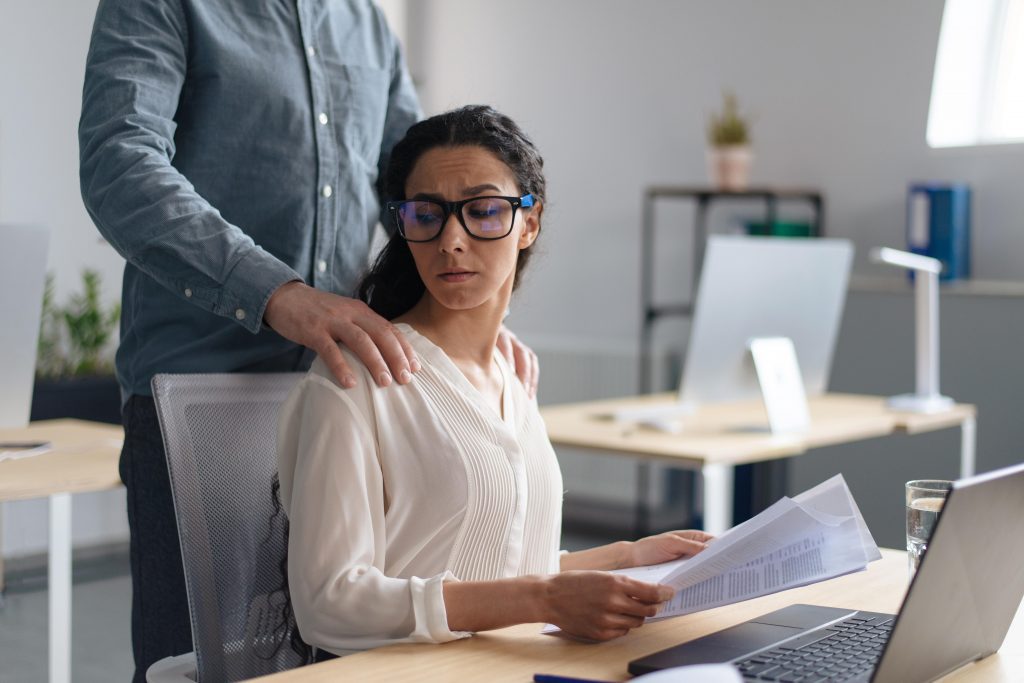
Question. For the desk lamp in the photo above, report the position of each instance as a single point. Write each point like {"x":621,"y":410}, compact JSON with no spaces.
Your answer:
{"x":926,"y":398}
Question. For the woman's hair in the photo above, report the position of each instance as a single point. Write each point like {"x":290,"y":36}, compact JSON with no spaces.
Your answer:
{"x":285,"y":630}
{"x":393,"y":285}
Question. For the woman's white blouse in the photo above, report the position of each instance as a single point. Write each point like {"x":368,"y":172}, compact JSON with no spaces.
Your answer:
{"x":390,"y":492}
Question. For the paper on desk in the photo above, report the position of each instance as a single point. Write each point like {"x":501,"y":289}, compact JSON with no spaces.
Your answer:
{"x":17,"y":453}
{"x":817,"y":535}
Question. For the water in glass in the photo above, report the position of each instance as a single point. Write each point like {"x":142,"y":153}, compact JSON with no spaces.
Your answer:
{"x":921,"y":516}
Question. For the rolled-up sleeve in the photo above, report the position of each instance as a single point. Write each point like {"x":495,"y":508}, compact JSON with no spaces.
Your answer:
{"x":333,"y":489}
{"x":143,"y":206}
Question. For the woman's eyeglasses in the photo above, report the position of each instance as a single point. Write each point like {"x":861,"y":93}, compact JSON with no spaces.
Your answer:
{"x":483,"y":218}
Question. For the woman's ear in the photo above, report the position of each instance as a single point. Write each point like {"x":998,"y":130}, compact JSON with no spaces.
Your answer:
{"x":531,"y":225}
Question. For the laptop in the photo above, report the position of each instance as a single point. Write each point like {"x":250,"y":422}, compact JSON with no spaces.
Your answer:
{"x":754,"y":287}
{"x":22,"y":277}
{"x":958,"y":609}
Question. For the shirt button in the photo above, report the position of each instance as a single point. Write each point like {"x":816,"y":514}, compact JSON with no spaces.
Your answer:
{"x":322,"y":119}
{"x":240,"y":314}
{"x":321,"y":266}
{"x":327,"y":191}
{"x":310,"y":51}
{"x":188,"y":293}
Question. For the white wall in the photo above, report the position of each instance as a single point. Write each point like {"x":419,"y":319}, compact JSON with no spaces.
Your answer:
{"x":42,"y":62}
{"x":617,"y":95}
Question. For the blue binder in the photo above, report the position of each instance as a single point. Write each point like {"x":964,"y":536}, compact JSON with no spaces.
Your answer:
{"x":939,"y":225}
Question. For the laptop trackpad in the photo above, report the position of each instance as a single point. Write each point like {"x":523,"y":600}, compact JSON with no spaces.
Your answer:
{"x":722,"y":646}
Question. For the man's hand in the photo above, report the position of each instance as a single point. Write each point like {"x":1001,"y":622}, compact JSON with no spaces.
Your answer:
{"x":522,"y":358}
{"x":319,"y":320}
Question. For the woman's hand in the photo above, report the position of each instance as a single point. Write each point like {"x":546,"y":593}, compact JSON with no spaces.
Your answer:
{"x":598,"y":605}
{"x":666,"y":547}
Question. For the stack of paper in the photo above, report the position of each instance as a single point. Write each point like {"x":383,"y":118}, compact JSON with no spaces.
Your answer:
{"x":817,"y":535}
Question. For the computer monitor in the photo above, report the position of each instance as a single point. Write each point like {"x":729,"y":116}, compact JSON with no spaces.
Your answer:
{"x":22,"y":278}
{"x":763,"y":287}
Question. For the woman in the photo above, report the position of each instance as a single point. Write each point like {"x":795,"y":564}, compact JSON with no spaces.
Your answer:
{"x":427,"y":511}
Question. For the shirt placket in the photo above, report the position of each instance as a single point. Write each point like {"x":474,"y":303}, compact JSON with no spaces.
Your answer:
{"x":326,"y":147}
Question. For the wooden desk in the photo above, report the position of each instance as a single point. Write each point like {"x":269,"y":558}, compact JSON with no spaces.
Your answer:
{"x":514,"y":654}
{"x":719,"y":436}
{"x":84,"y":458}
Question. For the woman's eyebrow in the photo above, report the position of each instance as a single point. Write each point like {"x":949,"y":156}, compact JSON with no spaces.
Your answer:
{"x":477,"y":189}
{"x":430,"y":196}
{"x":467,"y":192}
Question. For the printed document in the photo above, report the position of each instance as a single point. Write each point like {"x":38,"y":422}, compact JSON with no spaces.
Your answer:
{"x":815,"y":536}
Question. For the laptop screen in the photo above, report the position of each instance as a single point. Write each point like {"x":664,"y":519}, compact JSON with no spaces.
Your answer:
{"x":969,"y":585}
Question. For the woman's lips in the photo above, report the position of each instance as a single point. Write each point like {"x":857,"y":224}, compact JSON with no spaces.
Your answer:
{"x":457,"y":276}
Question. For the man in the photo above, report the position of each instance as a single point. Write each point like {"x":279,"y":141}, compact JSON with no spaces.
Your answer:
{"x":230,"y":151}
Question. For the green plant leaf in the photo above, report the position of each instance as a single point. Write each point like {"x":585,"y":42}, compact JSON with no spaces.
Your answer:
{"x":74,"y":339}
{"x":728,"y":127}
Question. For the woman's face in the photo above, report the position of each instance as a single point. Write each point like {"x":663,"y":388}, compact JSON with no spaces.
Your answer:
{"x":461,"y":272}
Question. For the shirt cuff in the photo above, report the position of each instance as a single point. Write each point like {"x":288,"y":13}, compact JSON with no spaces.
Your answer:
{"x":249,"y":287}
{"x":428,"y":610}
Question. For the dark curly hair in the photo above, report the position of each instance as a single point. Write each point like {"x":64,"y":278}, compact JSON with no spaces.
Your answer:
{"x":393,"y":286}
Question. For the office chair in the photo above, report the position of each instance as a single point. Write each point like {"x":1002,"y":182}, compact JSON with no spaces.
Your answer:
{"x":219,"y":432}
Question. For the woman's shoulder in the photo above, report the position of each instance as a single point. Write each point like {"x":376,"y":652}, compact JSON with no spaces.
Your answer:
{"x":320,"y":370}
{"x":319,"y":396}
{"x":320,"y":380}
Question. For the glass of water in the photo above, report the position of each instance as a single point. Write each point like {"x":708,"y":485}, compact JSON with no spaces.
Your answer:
{"x":925,"y":498}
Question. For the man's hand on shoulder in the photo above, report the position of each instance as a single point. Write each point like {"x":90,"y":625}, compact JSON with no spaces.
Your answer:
{"x":319,"y":320}
{"x":522,"y":358}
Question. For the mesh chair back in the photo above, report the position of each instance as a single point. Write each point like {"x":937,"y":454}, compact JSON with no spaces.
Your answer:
{"x":219,"y":432}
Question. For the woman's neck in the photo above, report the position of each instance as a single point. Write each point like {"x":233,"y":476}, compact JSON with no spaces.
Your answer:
{"x":467,"y":336}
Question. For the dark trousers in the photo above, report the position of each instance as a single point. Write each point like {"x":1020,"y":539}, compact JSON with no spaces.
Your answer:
{"x":160,"y":617}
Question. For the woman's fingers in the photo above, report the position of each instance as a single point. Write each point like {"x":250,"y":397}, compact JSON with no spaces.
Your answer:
{"x":695,"y":535}
{"x":635,"y":608}
{"x":650,"y":593}
{"x":686,"y":546}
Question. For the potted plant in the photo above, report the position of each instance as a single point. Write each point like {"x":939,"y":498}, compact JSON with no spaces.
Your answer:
{"x":729,"y":157}
{"x":74,"y":366}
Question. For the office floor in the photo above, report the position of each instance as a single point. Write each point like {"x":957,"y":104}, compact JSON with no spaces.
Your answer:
{"x":101,"y":631}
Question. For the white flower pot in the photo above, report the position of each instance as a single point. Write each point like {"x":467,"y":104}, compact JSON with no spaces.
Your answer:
{"x":729,"y":167}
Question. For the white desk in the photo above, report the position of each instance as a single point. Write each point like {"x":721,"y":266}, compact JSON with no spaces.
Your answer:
{"x":84,"y":458}
{"x":719,"y":436}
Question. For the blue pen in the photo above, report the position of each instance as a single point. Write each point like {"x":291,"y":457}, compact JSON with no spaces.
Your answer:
{"x":551,"y":678}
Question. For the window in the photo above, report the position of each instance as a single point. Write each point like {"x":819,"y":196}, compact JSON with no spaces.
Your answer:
{"x":978,"y":89}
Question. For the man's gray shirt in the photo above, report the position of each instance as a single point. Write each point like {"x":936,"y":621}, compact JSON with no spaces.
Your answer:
{"x":228,"y":147}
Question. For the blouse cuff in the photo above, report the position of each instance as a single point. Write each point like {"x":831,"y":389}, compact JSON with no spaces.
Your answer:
{"x":429,"y":612}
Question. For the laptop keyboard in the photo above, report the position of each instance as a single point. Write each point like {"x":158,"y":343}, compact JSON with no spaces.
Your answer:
{"x":843,"y":650}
